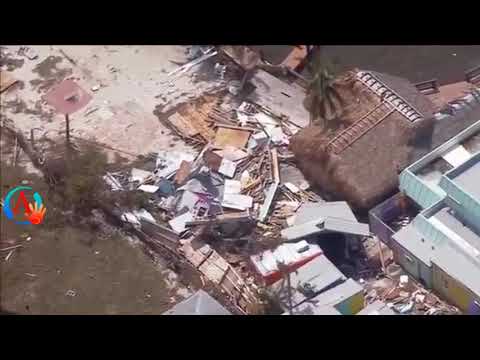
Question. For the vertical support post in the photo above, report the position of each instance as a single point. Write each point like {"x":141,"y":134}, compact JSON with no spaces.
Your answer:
{"x":380,"y":252}
{"x":67,"y":130}
{"x":286,"y":274}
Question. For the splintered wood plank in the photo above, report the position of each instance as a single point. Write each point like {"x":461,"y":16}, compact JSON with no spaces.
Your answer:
{"x":6,"y":80}
{"x":195,"y":257}
{"x":231,"y":137}
{"x":296,"y":57}
{"x":214,"y":267}
{"x":193,"y":114}
{"x":183,"y":172}
{"x":183,"y":125}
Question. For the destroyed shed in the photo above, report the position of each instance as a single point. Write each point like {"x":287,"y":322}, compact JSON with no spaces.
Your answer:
{"x":384,"y":118}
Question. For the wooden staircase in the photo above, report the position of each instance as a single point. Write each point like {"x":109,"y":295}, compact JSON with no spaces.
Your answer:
{"x":389,"y":96}
{"x":355,"y":131}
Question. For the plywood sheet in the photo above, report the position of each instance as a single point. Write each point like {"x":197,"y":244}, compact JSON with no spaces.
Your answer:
{"x":231,"y":137}
{"x":183,"y":125}
{"x":214,"y":268}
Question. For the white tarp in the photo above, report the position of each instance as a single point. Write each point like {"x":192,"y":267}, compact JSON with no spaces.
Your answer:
{"x":457,"y":156}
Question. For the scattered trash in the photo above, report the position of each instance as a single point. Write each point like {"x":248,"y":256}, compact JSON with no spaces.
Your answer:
{"x":139,"y":175}
{"x":405,"y":308}
{"x":114,"y":183}
{"x":232,"y":187}
{"x":237,"y":201}
{"x":165,"y":187}
{"x":71,"y":293}
{"x":149,"y":188}
{"x":168,"y":162}
{"x":130,"y":218}
{"x":227,"y":168}
{"x":143,"y":214}
{"x":183,"y":172}
{"x":220,"y":70}
{"x":403,"y":280}
{"x":95,"y":88}
{"x":234,"y":87}
{"x":11,"y":247}
{"x":291,"y":187}
{"x":27,"y":52}
{"x":9,"y":255}
{"x":178,"y":224}
{"x":419,"y":298}
{"x":90,"y":110}
{"x":184,"y":68}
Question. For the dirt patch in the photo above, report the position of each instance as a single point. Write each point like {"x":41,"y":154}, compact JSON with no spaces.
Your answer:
{"x":42,"y":85}
{"x":49,"y":73}
{"x":68,"y":268}
{"x":61,"y":273}
{"x":10,"y":62}
{"x":19,"y":106}
{"x":48,"y":67}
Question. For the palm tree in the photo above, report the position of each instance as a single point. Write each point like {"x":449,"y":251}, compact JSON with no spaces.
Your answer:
{"x":323,"y":101}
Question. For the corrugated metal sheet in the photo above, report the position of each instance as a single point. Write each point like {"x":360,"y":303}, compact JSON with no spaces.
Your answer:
{"x":318,"y":275}
{"x":301,"y":231}
{"x":346,"y":227}
{"x":199,"y":303}
{"x":315,"y":218}
{"x":311,"y":211}
{"x":279,"y":97}
{"x":347,"y":298}
{"x":310,"y":309}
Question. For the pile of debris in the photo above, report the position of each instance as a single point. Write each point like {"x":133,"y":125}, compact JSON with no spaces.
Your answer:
{"x":406,"y":297}
{"x":223,"y":190}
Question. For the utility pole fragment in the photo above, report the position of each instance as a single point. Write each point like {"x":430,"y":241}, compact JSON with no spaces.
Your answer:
{"x":285,"y":273}
{"x":67,"y":124}
{"x":380,"y":252}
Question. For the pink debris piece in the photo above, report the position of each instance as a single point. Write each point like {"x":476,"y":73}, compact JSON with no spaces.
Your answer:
{"x":67,"y":97}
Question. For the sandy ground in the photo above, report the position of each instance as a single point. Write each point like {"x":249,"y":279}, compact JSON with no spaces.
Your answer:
{"x":106,"y":275}
{"x":64,"y":273}
{"x":132,"y":85}
{"x":106,"y":271}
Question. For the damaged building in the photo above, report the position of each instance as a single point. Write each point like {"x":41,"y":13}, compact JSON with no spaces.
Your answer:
{"x":389,"y":122}
{"x":441,"y":245}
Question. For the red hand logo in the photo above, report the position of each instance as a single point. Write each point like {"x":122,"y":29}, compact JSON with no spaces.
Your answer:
{"x":36,"y":214}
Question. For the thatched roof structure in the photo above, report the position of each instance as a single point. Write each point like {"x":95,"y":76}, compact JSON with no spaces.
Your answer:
{"x":359,"y":159}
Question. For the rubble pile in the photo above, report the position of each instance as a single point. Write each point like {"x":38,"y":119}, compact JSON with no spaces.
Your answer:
{"x":227,"y":193}
{"x":239,"y":212}
{"x":406,"y":297}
